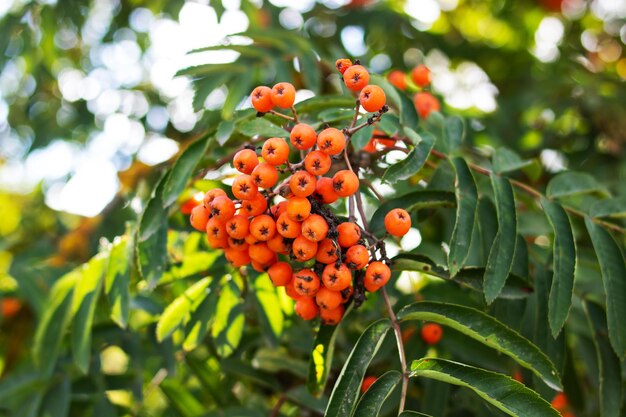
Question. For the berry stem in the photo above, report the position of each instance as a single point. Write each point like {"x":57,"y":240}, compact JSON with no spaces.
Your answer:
{"x":295,"y":115}
{"x":357,"y":107}
{"x":284,"y":116}
{"x":398,"y":333}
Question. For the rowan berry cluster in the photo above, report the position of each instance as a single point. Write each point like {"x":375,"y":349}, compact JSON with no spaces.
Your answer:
{"x":281,"y":221}
{"x":425,"y":103}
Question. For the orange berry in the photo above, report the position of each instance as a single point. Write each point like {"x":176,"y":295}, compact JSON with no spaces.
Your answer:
{"x":315,"y":228}
{"x":377,"y":274}
{"x":397,"y":222}
{"x":237,"y":258}
{"x":306,"y":308}
{"x":291,"y":290}
{"x":238,"y":226}
{"x":425,"y":103}
{"x":261,"y":253}
{"x":278,"y":209}
{"x":317,"y":163}
{"x":346,"y":294}
{"x":189,"y":205}
{"x":275,"y":151}
{"x":345,"y":183}
{"x":279,"y":244}
{"x":336,"y":279}
{"x":372,"y":98}
{"x":357,"y":257}
{"x":331,"y":141}
{"x":356,"y":77}
{"x":251,"y":240}
{"x":283,"y":95}
{"x":328,"y":299}
{"x":349,"y":234}
{"x":324,"y":191}
{"x":421,"y":75}
{"x":327,"y":251}
{"x":559,"y":402}
{"x":265,"y":175}
{"x":371,"y":146}
{"x":367,"y":383}
{"x":10,"y":306}
{"x":199,"y":217}
{"x":298,"y":208}
{"x":222,"y":208}
{"x":302,"y":184}
{"x":260,"y":267}
{"x":261,"y":98}
{"x":244,"y":187}
{"x":254,"y":206}
{"x":215,"y":229}
{"x":370,"y":286}
{"x":303,"y":249}
{"x":343,"y":64}
{"x":288,"y":227}
{"x":302,"y":136}
{"x":280,"y":273}
{"x":210,"y":196}
{"x":332,"y":317}
{"x":238,"y":244}
{"x":431,"y":333}
{"x":216,"y":243}
{"x":245,"y":160}
{"x":263,"y":227}
{"x":398,"y":79}
{"x":306,"y":282}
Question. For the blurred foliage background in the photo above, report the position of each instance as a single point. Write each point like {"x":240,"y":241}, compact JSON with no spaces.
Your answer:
{"x":96,"y":98}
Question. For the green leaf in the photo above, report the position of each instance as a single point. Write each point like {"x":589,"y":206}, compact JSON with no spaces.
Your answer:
{"x":117,"y":279}
{"x":224,"y":131}
{"x":413,"y":413}
{"x":466,"y":210}
{"x":505,"y":160}
{"x":268,"y":308}
{"x":152,"y":241}
{"x":229,"y":320}
{"x":415,"y":159}
{"x":454,"y":133}
{"x":201,"y":319}
{"x":416,"y":200}
{"x":181,"y":399}
{"x":213,"y":70}
{"x":57,"y":400}
{"x":613,"y":270}
{"x":489,"y":331}
{"x":86,"y":294}
{"x":175,"y":313}
{"x":564,"y":265}
{"x":210,"y":377}
{"x":309,"y":68}
{"x":503,"y":249}
{"x":408,"y":115}
{"x":611,"y":207}
{"x":610,"y":376}
{"x":243,"y":370}
{"x":324,"y":102}
{"x":472,"y":277}
{"x":346,"y":390}
{"x":203,"y":87}
{"x":571,"y":183}
{"x":239,"y":88}
{"x":499,"y":390}
{"x":262,"y":127}
{"x":54,"y":322}
{"x":372,"y":401}
{"x":361,"y":137}
{"x":321,"y":359}
{"x":336,"y":115}
{"x":182,"y":170}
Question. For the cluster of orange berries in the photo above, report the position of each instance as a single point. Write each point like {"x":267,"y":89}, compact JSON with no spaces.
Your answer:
{"x":302,"y":245}
{"x":425,"y":103}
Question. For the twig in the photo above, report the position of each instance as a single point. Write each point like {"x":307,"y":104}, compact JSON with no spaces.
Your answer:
{"x":295,"y":115}
{"x":378,"y":195}
{"x":284,"y":116}
{"x":398,"y":333}
{"x":356,"y":113}
{"x":278,"y":405}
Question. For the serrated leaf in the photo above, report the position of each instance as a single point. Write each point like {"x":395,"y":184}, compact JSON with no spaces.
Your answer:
{"x":54,"y":322}
{"x":152,"y":241}
{"x":408,"y":115}
{"x":505,"y":160}
{"x":224,"y":131}
{"x":335,"y":115}
{"x":229,"y":320}
{"x":413,"y":201}
{"x":201,"y":319}
{"x":361,"y":137}
{"x":613,"y":270}
{"x":612,"y":207}
{"x":503,"y":249}
{"x":262,"y":127}
{"x":471,"y":277}
{"x":178,"y":310}
{"x":117,"y":280}
{"x":609,"y":364}
{"x":454,"y":133}
{"x":501,"y":391}
{"x":415,"y":159}
{"x":372,"y":401}
{"x":564,"y":265}
{"x":203,"y":87}
{"x":207,"y":70}
{"x":489,"y":331}
{"x":324,"y":102}
{"x":268,"y":308}
{"x":571,"y":183}
{"x":346,"y":391}
{"x":182,"y":170}
{"x":238,"y":89}
{"x":310,"y":70}
{"x":466,"y":211}
{"x":86,"y":294}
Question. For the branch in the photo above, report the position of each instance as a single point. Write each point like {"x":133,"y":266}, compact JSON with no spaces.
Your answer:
{"x":276,"y":410}
{"x":398,"y":333}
